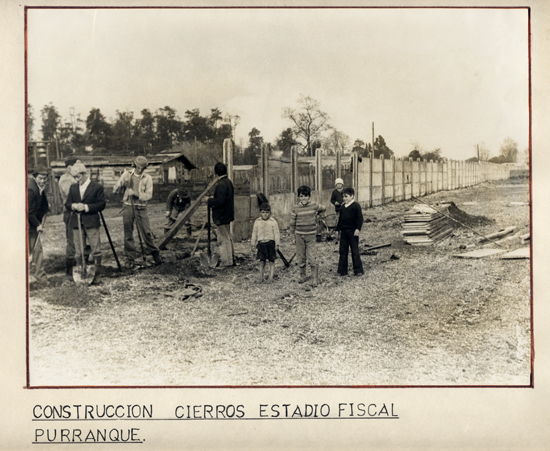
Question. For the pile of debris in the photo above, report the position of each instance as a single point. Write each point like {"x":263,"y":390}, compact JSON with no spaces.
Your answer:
{"x":424,"y":226}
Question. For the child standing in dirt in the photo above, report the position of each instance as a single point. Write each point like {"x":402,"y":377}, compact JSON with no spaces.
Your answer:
{"x":266,"y":239}
{"x":303,"y":223}
{"x":349,"y":226}
{"x":336,"y":199}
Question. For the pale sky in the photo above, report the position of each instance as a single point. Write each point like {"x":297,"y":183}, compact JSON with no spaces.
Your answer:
{"x":442,"y":78}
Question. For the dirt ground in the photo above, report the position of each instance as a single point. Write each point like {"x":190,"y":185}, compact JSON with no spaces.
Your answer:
{"x":419,"y":316}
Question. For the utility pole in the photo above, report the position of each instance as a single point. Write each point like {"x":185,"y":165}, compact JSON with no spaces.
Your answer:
{"x":373,"y":138}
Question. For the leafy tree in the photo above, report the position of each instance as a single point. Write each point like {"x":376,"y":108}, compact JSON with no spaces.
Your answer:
{"x":434,"y":155}
{"x":254,"y":148}
{"x":168,"y":128}
{"x":380,"y":148}
{"x":51,"y":121}
{"x":308,"y":119}
{"x":196,"y":127}
{"x":415,"y":154}
{"x":509,"y":151}
{"x":123,"y":128}
{"x":144,"y":131}
{"x":30,"y":122}
{"x":98,"y":129}
{"x":285,"y":141}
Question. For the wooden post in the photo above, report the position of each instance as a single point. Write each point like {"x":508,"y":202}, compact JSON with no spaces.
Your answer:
{"x":318,"y":173}
{"x":293,"y":171}
{"x":355,"y":163}
{"x":371,"y":158}
{"x":338,"y":164}
{"x":228,"y":151}
{"x":403,"y":177}
{"x":383,"y":161}
{"x":393,"y":178}
{"x":264,"y":167}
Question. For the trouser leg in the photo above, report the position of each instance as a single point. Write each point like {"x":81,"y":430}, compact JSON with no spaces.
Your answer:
{"x":142,"y":221}
{"x":225,"y":243}
{"x":344,"y":250}
{"x":355,"y":256}
{"x":129,"y":244}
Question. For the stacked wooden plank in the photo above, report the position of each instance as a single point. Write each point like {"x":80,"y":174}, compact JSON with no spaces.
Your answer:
{"x":424,"y":226}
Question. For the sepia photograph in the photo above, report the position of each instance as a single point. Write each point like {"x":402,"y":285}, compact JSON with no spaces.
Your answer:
{"x":278,"y":197}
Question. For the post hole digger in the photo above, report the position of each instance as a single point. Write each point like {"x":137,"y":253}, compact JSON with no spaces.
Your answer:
{"x":209,"y":260}
{"x":85,"y":274}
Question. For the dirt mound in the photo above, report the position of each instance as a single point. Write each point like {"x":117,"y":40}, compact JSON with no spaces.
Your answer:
{"x":464,"y":218}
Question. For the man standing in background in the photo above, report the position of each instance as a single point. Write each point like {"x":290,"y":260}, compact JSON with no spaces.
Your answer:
{"x":223,"y":214}
{"x":65,"y":182}
{"x":138,"y":189}
{"x":37,"y":209}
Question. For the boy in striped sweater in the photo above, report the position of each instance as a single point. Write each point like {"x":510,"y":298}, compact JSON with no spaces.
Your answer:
{"x":303,"y":223}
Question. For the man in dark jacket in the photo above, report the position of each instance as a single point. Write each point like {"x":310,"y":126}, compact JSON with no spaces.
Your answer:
{"x":85,"y":200}
{"x":223,"y":214}
{"x":37,"y":209}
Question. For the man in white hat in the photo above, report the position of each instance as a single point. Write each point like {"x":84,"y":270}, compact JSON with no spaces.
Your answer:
{"x":65,"y":182}
{"x":85,"y":200}
{"x":37,"y":209}
{"x":138,"y":189}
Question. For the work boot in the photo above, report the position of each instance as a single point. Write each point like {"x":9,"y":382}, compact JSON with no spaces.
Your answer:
{"x":130,"y":264}
{"x":303,"y":277}
{"x":69,"y":265}
{"x":156,"y":257}
{"x":315,"y":272}
{"x":97,"y":275}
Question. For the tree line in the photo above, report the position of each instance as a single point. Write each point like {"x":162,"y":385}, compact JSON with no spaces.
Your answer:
{"x":198,"y":134}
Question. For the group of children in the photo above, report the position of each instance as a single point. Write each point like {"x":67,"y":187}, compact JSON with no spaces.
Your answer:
{"x":303,"y":225}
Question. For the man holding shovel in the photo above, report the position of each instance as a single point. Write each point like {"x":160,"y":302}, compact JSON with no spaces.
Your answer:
{"x":84,"y":201}
{"x":37,"y":210}
{"x":138,"y":189}
{"x":223,"y":214}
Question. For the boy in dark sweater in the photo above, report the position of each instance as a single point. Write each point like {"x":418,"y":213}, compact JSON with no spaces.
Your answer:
{"x":349,"y":226}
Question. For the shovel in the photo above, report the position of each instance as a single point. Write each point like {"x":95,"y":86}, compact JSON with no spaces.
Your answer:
{"x":208,"y":259}
{"x":85,"y":274}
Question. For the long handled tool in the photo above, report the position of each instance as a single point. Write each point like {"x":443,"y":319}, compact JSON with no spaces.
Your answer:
{"x":110,"y":241}
{"x":208,"y":259}
{"x":198,"y":238}
{"x":33,"y":246}
{"x":86,"y":273}
{"x":138,"y":231}
{"x":458,"y":222}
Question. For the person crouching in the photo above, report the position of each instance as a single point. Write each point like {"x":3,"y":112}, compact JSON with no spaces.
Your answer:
{"x":266,"y":239}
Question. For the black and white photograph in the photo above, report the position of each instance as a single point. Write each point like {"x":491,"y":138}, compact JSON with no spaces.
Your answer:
{"x":275,"y":226}
{"x":278,"y":197}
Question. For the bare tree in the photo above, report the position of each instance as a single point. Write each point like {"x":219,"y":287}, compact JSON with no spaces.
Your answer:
{"x":337,"y":141}
{"x":308,"y":119}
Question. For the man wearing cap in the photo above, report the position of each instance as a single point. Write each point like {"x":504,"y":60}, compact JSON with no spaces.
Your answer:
{"x":65,"y":182}
{"x":223,"y":214}
{"x":37,"y":210}
{"x":178,"y":201}
{"x":85,"y":200}
{"x":138,"y":189}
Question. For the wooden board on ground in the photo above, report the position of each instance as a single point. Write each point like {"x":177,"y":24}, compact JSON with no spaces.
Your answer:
{"x":182,"y":219}
{"x":518,"y":253}
{"x":480,"y":253}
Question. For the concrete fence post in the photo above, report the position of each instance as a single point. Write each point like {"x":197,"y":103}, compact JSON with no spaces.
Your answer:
{"x":264,"y":169}
{"x":383,"y":164}
{"x":338,"y":164}
{"x":355,"y":165}
{"x":318,"y":173}
{"x":394,"y":196}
